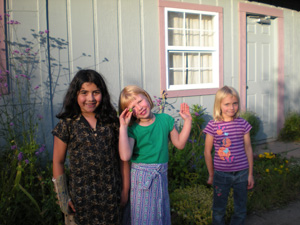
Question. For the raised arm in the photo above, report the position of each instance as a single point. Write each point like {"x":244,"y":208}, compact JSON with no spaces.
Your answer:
{"x":125,"y":143}
{"x":179,"y":140}
{"x":209,"y":140}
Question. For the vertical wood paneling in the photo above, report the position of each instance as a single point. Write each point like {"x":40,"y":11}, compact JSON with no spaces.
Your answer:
{"x":108,"y":45}
{"x":131,"y":42}
{"x":82,"y":34}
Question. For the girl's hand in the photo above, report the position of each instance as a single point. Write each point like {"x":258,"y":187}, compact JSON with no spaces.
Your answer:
{"x":250,"y":182}
{"x":125,"y":117}
{"x":210,"y":180}
{"x":71,"y":205}
{"x":185,"y":111}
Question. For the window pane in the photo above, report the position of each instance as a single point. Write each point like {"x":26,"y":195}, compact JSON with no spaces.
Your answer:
{"x":192,"y":24}
{"x":175,"y":37}
{"x":175,"y":60}
{"x":192,"y":68}
{"x":206,"y":68}
{"x":176,"y":77}
{"x":207,"y":26}
{"x":175,"y":20}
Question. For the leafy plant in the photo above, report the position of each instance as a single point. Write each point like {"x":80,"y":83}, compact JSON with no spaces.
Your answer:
{"x":291,"y":128}
{"x":253,"y":119}
{"x":26,"y":189}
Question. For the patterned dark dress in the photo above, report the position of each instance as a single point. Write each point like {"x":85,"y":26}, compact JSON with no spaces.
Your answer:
{"x":95,"y":178}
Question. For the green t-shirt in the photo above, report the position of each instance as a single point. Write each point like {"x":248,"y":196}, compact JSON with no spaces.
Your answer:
{"x":151,"y":142}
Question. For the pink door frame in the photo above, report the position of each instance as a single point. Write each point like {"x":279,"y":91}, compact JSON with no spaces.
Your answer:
{"x":245,"y":8}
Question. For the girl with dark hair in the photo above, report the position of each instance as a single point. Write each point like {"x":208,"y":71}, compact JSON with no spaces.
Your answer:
{"x":88,"y":131}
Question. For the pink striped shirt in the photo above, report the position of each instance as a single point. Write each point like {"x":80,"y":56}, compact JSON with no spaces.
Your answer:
{"x":229,"y":146}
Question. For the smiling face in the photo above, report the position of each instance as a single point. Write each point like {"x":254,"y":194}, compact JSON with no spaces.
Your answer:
{"x":141,"y":107}
{"x":89,"y":98}
{"x":229,"y":107}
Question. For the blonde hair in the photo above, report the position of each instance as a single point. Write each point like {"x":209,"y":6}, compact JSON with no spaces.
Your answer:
{"x":127,"y":96}
{"x":220,"y":95}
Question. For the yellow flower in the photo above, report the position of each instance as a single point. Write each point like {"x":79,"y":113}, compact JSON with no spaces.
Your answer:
{"x":286,"y":161}
{"x":287,"y":169}
{"x":280,"y":171}
{"x":267,"y":170}
{"x":260,"y":156}
{"x":281,"y":166}
{"x":275,"y":169}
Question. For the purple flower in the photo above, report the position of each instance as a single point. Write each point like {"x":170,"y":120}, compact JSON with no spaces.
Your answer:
{"x":27,"y":49}
{"x":42,"y":149}
{"x":41,"y":32}
{"x":0,"y":71}
{"x":16,"y":76}
{"x":20,"y":156}
{"x":13,"y":147}
{"x":37,"y":153}
{"x":6,"y":14}
{"x":7,"y":71}
{"x":36,"y":87}
{"x":26,"y":161}
{"x":0,"y":17}
{"x":39,"y":116}
{"x":5,"y":85}
{"x":47,"y":31}
{"x":197,"y":114}
{"x":11,"y":124}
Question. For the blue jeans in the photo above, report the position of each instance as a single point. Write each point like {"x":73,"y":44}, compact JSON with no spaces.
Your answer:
{"x":223,"y":181}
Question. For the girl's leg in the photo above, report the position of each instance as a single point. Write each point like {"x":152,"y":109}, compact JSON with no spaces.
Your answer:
{"x":222,"y":184}
{"x":240,"y":198}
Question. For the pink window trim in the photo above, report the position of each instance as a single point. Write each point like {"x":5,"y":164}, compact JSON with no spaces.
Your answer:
{"x":245,"y":8}
{"x":3,"y":90}
{"x":181,"y":93}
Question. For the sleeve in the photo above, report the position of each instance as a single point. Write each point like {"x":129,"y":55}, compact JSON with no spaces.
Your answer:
{"x":131,"y":132}
{"x":171,"y":122}
{"x":247,"y":127}
{"x":209,"y":129}
{"x":61,"y":131}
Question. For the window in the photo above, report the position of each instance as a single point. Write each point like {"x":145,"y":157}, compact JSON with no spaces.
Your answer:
{"x":191,"y":48}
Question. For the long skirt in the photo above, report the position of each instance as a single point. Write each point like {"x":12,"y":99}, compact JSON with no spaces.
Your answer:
{"x":149,"y":196}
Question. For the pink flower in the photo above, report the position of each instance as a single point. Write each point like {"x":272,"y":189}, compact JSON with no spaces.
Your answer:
{"x":41,"y":32}
{"x":47,"y":31}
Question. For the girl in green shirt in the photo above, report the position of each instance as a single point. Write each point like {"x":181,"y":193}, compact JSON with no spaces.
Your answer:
{"x":143,"y":139}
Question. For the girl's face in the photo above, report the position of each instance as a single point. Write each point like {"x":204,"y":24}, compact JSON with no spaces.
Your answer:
{"x":229,"y":107}
{"x":89,"y":98}
{"x":141,"y":107}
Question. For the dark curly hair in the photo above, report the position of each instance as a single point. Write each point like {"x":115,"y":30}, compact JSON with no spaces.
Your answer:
{"x":104,"y":112}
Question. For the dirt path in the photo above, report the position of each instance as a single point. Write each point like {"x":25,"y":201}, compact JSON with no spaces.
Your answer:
{"x":287,"y":215}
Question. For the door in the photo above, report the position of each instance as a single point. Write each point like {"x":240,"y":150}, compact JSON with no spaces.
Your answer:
{"x":262,"y":74}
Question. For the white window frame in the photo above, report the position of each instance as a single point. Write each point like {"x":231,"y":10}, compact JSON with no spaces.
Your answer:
{"x":193,"y":49}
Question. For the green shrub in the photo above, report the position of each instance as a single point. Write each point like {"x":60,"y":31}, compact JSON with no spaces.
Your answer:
{"x":291,"y":128}
{"x":252,"y":118}
{"x":193,"y":205}
{"x":277,"y":181}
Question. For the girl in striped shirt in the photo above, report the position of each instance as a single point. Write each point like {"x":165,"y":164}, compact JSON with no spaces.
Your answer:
{"x":232,"y":166}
